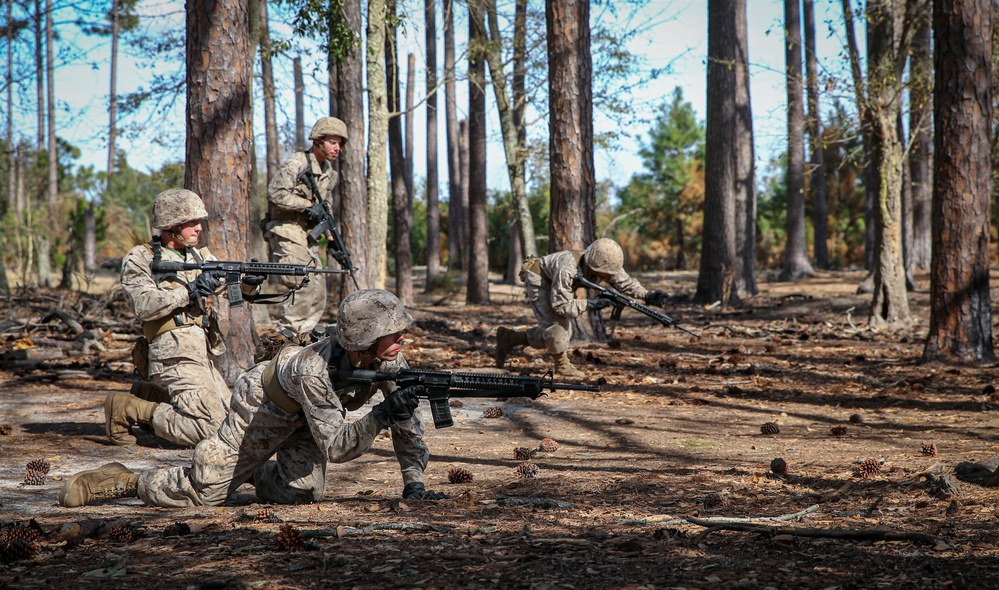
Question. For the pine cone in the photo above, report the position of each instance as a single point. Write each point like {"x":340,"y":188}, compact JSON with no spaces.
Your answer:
{"x":459,"y":475}
{"x":838,"y":430}
{"x":548,"y":445}
{"x":289,"y":539}
{"x":929,"y":449}
{"x":266,"y":515}
{"x":492,"y":412}
{"x":122,"y":534}
{"x":34,"y":478}
{"x":524,"y":453}
{"x":6,"y":429}
{"x":770,"y":428}
{"x":456,"y":403}
{"x":869,"y":469}
{"x":779,"y":466}
{"x":19,"y":550}
{"x":716,"y":500}
{"x":39,"y":465}
{"x":17,"y":532}
{"x":528,"y":470}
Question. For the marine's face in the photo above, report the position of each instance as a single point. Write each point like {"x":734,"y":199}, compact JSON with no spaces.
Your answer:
{"x":329,"y":146}
{"x":388,"y":347}
{"x":188,"y":233}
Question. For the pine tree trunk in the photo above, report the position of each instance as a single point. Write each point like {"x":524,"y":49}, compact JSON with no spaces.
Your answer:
{"x":477,"y":291}
{"x":377,"y":148}
{"x":817,"y":172}
{"x":40,"y":73}
{"x":796,"y":263}
{"x":456,"y":213}
{"x":45,"y":252}
{"x":433,"y":197}
{"x":960,"y":305}
{"x":11,"y":152}
{"x":718,"y":244}
{"x":352,"y":185}
{"x":219,"y":147}
{"x":408,"y":121}
{"x":464,"y":164}
{"x":402,"y":213}
{"x":300,"y":104}
{"x":274,"y":156}
{"x":745,"y":167}
{"x":920,"y":124}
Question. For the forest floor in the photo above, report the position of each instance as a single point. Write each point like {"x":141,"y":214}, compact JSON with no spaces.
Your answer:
{"x":673,"y":434}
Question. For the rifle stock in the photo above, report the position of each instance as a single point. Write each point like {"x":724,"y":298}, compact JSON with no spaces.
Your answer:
{"x":621,"y":301}
{"x":443,"y":385}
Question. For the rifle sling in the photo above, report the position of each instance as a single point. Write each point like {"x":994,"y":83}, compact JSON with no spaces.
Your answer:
{"x":274,"y":391}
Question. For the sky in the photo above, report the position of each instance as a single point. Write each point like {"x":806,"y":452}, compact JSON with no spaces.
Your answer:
{"x":674,"y":37}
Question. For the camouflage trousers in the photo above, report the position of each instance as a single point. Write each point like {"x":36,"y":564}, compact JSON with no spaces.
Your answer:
{"x":553,"y":331}
{"x":240,"y":452}
{"x":303,"y":310}
{"x":199,"y":396}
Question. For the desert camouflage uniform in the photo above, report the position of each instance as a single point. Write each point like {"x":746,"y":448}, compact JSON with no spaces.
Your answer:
{"x":178,"y":357}
{"x":288,"y":232}
{"x":302,"y":443}
{"x":548,"y":285}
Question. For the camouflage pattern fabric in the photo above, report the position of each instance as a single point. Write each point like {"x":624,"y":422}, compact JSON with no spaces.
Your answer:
{"x":550,"y":294}
{"x":288,"y":233}
{"x":283,"y":455}
{"x":178,"y":359}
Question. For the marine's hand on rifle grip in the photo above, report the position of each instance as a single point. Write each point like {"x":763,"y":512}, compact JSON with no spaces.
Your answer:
{"x":598,"y":304}
{"x":204,"y":285}
{"x":315,"y":212}
{"x":657,"y":298}
{"x":399,"y":405}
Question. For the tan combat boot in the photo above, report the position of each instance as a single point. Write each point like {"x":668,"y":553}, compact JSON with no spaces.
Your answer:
{"x":107,"y":482}
{"x":506,"y":339}
{"x":122,"y":411}
{"x":564,"y":367}
{"x":150,"y":392}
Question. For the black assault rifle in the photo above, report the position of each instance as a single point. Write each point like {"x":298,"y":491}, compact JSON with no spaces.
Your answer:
{"x":327,"y":225}
{"x":442,"y":385}
{"x":621,"y":301}
{"x":233,"y":273}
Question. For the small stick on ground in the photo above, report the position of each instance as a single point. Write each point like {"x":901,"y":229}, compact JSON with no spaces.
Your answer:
{"x":851,"y":534}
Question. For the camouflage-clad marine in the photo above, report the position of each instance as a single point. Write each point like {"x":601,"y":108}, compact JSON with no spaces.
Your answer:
{"x":178,"y":322}
{"x":548,"y":282}
{"x":288,"y":409}
{"x":292,"y":216}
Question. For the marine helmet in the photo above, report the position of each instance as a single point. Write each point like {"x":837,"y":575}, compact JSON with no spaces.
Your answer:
{"x":605,"y":256}
{"x":175,"y":206}
{"x":367,"y":315}
{"x":329,"y":126}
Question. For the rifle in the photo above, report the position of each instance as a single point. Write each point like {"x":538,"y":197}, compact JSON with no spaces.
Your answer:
{"x":442,"y":385}
{"x":621,"y":301}
{"x":233,"y":273}
{"x":327,"y":225}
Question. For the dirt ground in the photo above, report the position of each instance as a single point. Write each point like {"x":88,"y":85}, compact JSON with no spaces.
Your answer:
{"x":673,"y":434}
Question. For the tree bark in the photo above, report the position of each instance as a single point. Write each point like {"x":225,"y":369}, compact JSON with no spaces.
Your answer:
{"x":377,"y":149}
{"x":402,"y":213}
{"x":920,"y":125}
{"x":885,"y":63}
{"x":219,"y":147}
{"x":960,"y":306}
{"x":718,"y":255}
{"x":45,"y":243}
{"x":745,"y":167}
{"x":408,"y":121}
{"x":352,"y":184}
{"x":570,"y":113}
{"x":464,"y":222}
{"x":796,"y":264}
{"x":456,"y":213}
{"x":11,"y":154}
{"x":299,"y":104}
{"x":817,"y":173}
{"x":274,"y":155}
{"x":513,"y":149}
{"x":40,"y":73}
{"x":477,"y":290}
{"x":433,"y":197}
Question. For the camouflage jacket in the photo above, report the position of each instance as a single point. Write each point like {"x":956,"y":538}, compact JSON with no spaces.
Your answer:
{"x":555,"y":274}
{"x":290,"y":196}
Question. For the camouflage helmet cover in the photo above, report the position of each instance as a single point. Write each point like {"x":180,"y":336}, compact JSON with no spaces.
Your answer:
{"x":175,"y":206}
{"x":605,"y":256}
{"x":329,"y":126}
{"x":367,"y":315}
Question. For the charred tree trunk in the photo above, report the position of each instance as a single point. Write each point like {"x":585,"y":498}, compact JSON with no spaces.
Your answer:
{"x":817,"y":172}
{"x":960,"y":305}
{"x":456,"y":213}
{"x":219,"y":146}
{"x":408,"y":121}
{"x":745,"y":166}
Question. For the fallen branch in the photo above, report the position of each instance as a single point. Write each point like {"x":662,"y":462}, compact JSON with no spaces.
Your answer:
{"x":877,"y":534}
{"x":669,"y":520}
